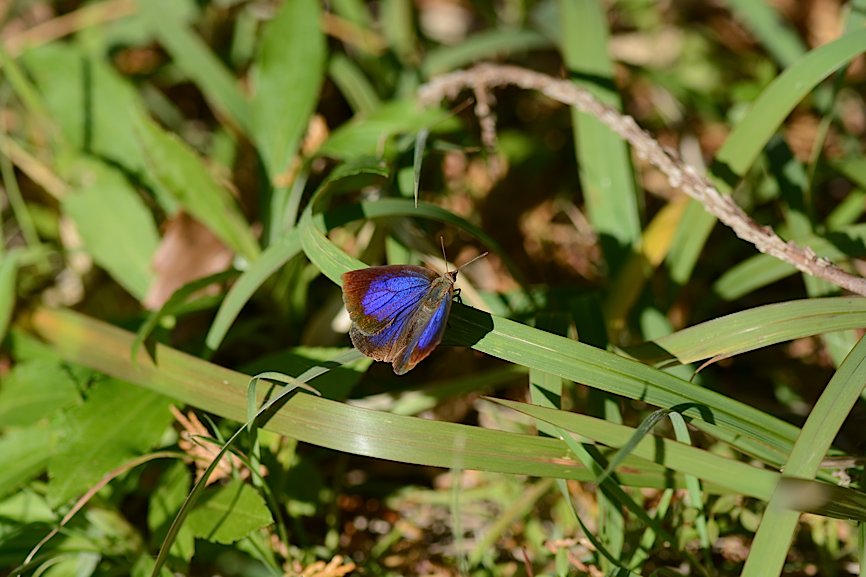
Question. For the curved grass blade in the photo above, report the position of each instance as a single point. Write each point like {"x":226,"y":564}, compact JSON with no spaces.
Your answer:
{"x":271,"y":259}
{"x":835,"y":403}
{"x":749,"y":429}
{"x":200,"y":485}
{"x":752,"y":329}
{"x":173,"y":305}
{"x":753,"y":132}
{"x":315,"y":420}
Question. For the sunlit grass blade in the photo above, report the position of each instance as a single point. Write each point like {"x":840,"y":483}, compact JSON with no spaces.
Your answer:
{"x":822,"y":425}
{"x":755,"y":328}
{"x":751,"y":430}
{"x":735,"y":476}
{"x":314,"y":420}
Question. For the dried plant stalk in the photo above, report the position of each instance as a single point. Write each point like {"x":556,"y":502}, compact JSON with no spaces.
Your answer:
{"x":680,"y":174}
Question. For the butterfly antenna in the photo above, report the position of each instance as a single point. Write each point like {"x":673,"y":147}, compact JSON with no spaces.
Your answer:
{"x":445,"y":258}
{"x":480,"y":256}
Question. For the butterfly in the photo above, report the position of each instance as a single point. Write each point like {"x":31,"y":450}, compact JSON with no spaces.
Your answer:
{"x":398,"y":312}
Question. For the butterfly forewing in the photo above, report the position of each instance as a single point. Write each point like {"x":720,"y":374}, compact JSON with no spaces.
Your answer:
{"x":377,"y":295}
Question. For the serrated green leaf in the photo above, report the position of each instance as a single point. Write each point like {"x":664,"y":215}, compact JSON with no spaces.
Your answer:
{"x":117,"y":422}
{"x":35,"y":390}
{"x":227,"y":514}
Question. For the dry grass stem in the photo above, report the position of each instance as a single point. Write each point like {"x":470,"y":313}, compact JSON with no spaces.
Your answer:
{"x":680,"y":174}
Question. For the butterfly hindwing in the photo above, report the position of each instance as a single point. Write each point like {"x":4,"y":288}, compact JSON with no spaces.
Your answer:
{"x":428,"y":338}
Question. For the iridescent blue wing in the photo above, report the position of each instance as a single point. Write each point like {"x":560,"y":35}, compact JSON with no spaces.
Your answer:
{"x":414,"y":332}
{"x":376,"y":297}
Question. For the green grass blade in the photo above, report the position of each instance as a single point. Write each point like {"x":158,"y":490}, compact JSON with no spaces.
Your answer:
{"x":311,"y":419}
{"x":747,"y":428}
{"x":753,"y":329}
{"x":365,"y":136}
{"x":174,"y":305}
{"x":8,"y":274}
{"x":735,"y":476}
{"x":779,"y":522}
{"x":354,"y":86}
{"x":192,"y":56}
{"x":605,"y":165}
{"x":481,"y":46}
{"x":270,"y":261}
{"x":764,"y":22}
{"x":754,"y":131}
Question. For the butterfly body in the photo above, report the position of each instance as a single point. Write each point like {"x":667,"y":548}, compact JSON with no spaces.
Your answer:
{"x":398,"y":312}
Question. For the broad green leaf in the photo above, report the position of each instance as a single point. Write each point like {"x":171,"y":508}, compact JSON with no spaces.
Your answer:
{"x":197,"y":61}
{"x":24,"y":455}
{"x":366,"y":136}
{"x":26,"y":507}
{"x":184,"y":175}
{"x":227,"y":514}
{"x":117,"y":228}
{"x":117,"y":422}
{"x":90,"y":101}
{"x":33,"y":391}
{"x":287,"y":77}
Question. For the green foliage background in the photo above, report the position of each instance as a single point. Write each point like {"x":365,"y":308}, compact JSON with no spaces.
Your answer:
{"x":236,"y":157}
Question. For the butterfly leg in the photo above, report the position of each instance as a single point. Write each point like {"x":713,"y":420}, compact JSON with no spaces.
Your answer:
{"x":457,"y":296}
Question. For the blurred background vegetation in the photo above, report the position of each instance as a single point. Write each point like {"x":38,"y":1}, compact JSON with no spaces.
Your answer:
{"x":198,"y":173}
